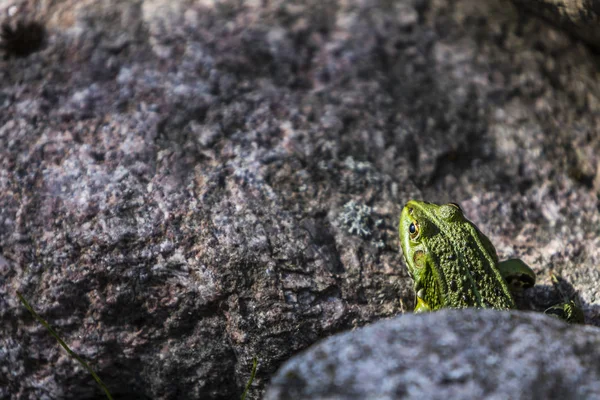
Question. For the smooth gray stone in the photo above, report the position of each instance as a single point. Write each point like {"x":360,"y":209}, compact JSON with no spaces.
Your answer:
{"x":451,"y":354}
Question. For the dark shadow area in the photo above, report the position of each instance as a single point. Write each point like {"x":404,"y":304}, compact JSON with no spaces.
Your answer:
{"x":22,"y":39}
{"x":542,"y":297}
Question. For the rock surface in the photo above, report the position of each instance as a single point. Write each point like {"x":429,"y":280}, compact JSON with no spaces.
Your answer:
{"x":465,"y":354}
{"x":185,"y":185}
{"x":580,"y":17}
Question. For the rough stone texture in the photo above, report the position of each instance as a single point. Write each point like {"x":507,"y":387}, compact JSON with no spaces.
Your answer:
{"x":185,"y":185}
{"x":580,"y":17}
{"x":450,"y":354}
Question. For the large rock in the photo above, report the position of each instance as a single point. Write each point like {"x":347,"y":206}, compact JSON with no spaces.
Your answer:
{"x":467,"y":354}
{"x":185,"y":185}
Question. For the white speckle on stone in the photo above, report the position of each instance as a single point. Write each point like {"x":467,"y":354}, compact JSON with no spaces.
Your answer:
{"x":125,"y":76}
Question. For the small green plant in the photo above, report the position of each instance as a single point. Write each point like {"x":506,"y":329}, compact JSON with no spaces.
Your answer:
{"x":252,"y":375}
{"x":71,"y":352}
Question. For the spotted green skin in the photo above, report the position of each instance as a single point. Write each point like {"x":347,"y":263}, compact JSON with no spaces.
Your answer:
{"x":453,"y":264}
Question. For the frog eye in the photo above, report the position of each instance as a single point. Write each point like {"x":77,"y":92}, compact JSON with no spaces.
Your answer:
{"x":413,"y":230}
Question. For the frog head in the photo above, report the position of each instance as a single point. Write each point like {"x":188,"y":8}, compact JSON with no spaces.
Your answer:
{"x":418,"y":224}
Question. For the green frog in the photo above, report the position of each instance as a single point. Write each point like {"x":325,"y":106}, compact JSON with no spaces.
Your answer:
{"x":454,"y":265}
